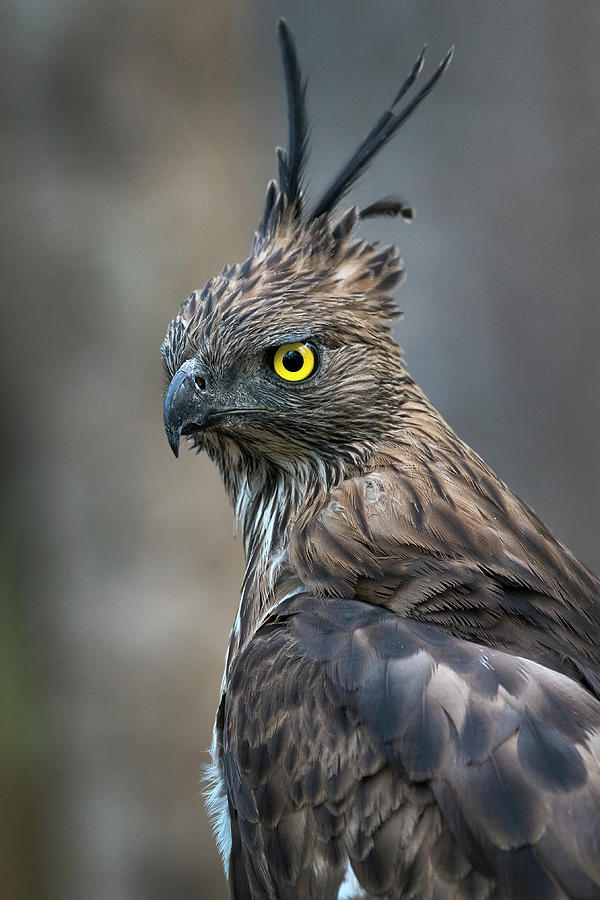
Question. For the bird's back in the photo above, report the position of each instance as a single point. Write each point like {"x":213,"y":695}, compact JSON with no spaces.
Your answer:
{"x":369,"y":756}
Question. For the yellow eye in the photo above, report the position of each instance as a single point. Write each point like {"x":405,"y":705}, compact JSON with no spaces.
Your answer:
{"x":294,"y":362}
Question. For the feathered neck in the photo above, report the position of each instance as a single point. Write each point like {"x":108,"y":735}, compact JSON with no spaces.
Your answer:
{"x":268,"y":498}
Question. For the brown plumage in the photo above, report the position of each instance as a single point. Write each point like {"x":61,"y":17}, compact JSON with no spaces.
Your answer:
{"x":411,"y":698}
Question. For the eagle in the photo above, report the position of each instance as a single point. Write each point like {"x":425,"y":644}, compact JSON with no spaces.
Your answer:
{"x":410,"y":705}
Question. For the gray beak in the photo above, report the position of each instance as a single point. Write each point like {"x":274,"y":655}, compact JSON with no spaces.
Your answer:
{"x":186,"y":403}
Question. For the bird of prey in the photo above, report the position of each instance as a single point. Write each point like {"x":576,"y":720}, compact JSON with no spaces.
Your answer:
{"x":411,"y":698}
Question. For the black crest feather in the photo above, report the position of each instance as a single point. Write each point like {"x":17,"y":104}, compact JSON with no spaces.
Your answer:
{"x":379,"y":135}
{"x":287,"y":196}
{"x":292,"y":162}
{"x":388,"y":206}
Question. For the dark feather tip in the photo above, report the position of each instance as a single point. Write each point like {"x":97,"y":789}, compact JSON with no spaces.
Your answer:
{"x":416,"y":71}
{"x":389,"y":206}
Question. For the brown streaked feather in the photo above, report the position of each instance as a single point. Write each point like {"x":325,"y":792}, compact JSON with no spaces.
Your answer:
{"x":431,"y":533}
{"x":411,"y":698}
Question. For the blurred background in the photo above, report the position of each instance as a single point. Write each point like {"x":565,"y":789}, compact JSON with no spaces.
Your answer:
{"x":138,"y":138}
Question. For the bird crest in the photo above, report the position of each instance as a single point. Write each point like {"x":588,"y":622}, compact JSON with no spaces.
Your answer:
{"x":285,"y":199}
{"x":308,"y":252}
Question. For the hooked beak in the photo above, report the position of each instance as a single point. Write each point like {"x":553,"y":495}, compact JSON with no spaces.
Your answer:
{"x":186,"y":403}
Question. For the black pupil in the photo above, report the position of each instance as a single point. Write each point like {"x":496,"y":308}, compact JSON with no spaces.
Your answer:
{"x":293,"y":360}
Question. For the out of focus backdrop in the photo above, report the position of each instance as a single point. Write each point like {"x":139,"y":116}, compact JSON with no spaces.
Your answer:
{"x":137,"y":141}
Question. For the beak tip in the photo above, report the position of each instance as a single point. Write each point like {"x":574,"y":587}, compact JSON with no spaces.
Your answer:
{"x":173,"y":439}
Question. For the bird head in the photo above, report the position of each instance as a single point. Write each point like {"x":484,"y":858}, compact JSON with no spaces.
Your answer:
{"x":289,"y":356}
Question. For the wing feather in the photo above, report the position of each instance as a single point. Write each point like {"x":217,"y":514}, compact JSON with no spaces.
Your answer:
{"x":480,"y":566}
{"x":436,"y":766}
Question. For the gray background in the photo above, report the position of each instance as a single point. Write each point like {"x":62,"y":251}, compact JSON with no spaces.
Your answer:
{"x":137,"y":143}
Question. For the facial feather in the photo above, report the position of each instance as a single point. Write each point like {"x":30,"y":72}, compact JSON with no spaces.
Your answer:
{"x":317,"y":286}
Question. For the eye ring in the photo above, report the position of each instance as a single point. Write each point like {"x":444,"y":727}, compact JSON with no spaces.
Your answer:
{"x":295,"y":362}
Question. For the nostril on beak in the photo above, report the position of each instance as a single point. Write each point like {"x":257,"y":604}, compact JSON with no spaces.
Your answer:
{"x":200,"y":382}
